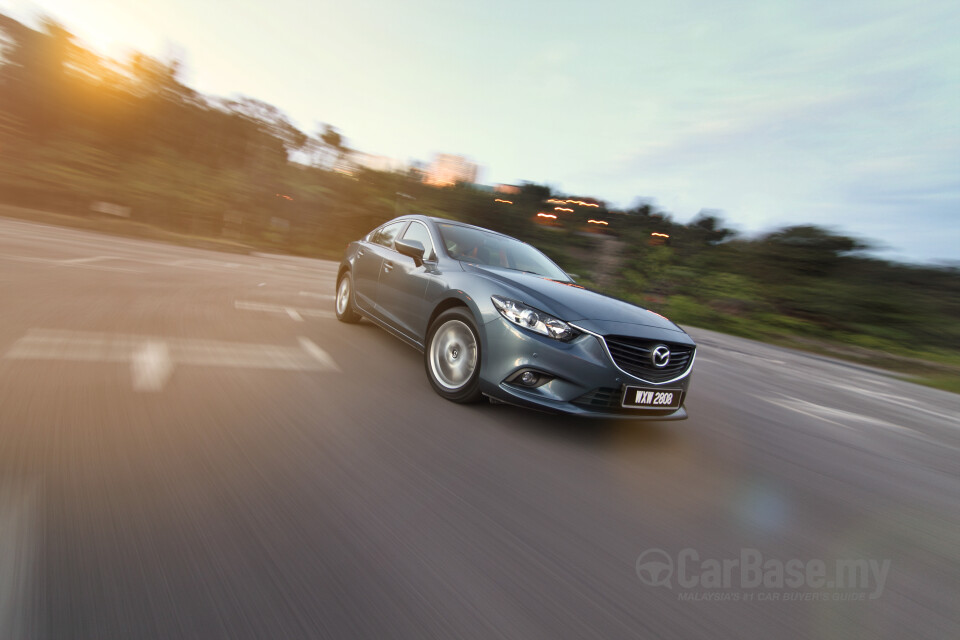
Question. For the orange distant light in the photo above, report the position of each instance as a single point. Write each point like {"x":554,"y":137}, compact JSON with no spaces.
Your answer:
{"x":504,"y":201}
{"x":562,"y":209}
{"x":598,"y":222}
{"x":660,"y":235}
{"x":546,"y":215}
{"x":578,"y":202}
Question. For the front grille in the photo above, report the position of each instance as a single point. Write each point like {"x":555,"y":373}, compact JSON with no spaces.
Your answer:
{"x":633,"y":356}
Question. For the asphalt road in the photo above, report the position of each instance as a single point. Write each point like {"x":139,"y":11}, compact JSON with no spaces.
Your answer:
{"x":191,"y":446}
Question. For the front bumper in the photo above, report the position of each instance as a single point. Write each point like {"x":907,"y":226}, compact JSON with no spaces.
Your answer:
{"x":585,"y":381}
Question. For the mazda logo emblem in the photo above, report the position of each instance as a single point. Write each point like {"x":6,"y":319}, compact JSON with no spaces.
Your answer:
{"x":660,"y":356}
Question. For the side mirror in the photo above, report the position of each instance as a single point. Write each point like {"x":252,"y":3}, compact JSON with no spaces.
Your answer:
{"x":412,"y":248}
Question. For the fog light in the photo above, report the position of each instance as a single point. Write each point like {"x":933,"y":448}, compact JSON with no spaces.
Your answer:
{"x":529,"y":378}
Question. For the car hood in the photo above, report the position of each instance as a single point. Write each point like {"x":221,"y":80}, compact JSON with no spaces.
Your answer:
{"x":568,"y":301}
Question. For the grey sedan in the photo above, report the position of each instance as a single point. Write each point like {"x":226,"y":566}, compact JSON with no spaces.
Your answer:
{"x":494,"y":317}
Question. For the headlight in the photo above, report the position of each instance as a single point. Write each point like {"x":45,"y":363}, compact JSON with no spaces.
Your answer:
{"x":533,"y":319}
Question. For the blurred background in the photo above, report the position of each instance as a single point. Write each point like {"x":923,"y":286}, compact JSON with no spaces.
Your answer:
{"x":127,"y":147}
{"x":192,"y":446}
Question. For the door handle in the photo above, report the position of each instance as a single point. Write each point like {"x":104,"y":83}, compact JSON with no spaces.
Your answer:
{"x":387,"y":265}
{"x":359,"y":252}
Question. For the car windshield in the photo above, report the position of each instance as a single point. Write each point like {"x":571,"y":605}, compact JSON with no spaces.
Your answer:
{"x":477,"y":246}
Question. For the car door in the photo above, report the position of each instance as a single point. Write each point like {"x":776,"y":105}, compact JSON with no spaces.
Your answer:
{"x":402,"y":289}
{"x":369,"y":259}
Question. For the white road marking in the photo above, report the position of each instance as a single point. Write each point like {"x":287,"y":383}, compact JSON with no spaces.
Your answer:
{"x":40,"y":344}
{"x":24,"y":258}
{"x":204,"y":263}
{"x":907,"y":403}
{"x":314,"y":263}
{"x":257,"y":306}
{"x":101,"y":267}
{"x":830,"y":378}
{"x":153,"y":358}
{"x":829,"y":413}
{"x":798,"y":406}
{"x":18,"y":533}
{"x":739,"y":355}
{"x":87,"y":263}
{"x":317,"y":353}
{"x":294,"y":315}
{"x":81,"y":260}
{"x":826,"y":414}
{"x":247,"y":305}
{"x":317,"y":313}
{"x":151,"y":366}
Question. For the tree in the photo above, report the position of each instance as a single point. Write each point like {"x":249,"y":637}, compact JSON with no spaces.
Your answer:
{"x":334,"y":145}
{"x":708,"y":228}
{"x":803,"y":250}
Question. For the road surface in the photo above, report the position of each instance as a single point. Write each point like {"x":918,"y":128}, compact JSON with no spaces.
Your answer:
{"x":191,"y":446}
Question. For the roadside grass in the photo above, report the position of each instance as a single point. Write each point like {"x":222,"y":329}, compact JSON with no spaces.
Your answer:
{"x":939,"y":369}
{"x":943,"y":382}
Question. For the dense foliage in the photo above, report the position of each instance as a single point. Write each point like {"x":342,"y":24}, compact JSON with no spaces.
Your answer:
{"x":77,"y":129}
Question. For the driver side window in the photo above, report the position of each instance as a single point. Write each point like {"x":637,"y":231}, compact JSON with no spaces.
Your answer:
{"x":416,"y":231}
{"x":388,"y":234}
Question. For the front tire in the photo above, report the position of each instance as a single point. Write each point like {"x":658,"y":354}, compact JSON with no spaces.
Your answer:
{"x":344,"y":303}
{"x":452,"y":356}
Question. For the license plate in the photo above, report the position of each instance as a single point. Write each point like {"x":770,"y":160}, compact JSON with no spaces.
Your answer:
{"x":644,"y":398}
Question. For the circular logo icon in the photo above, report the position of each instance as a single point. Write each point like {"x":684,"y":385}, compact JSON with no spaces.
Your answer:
{"x":655,"y":568}
{"x":660,"y":356}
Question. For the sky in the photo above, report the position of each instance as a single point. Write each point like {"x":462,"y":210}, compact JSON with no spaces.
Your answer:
{"x":837,"y":113}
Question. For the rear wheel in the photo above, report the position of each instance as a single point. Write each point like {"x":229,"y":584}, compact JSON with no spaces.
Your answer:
{"x":344,"y":305}
{"x":452,"y":356}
